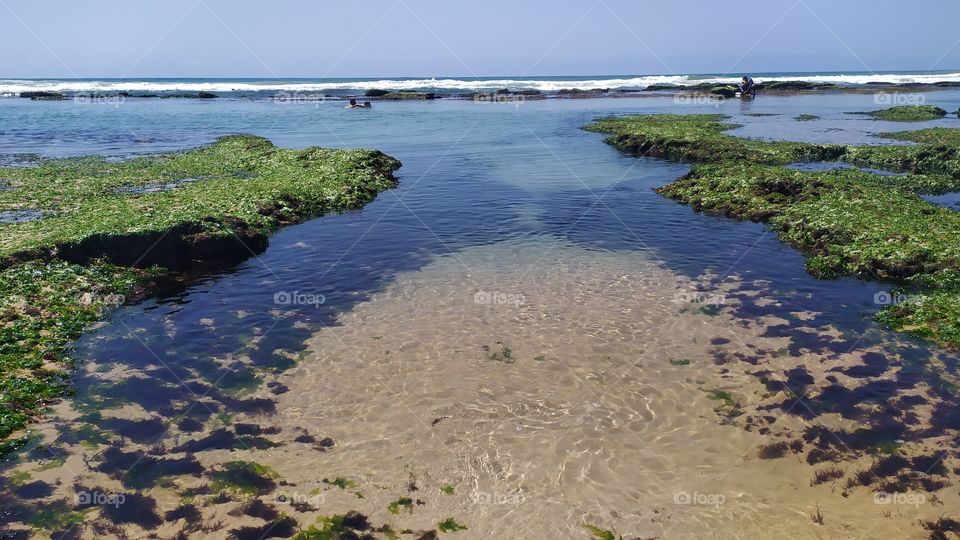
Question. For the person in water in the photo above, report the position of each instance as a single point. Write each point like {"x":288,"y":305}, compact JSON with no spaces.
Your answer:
{"x":747,"y":88}
{"x":354,"y":105}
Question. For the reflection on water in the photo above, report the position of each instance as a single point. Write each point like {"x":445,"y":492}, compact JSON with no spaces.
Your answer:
{"x":590,"y":378}
{"x":949,"y":200}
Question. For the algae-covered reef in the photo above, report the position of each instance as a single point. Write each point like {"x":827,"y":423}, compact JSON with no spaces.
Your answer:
{"x":849,"y":222}
{"x":908,"y":113}
{"x":100,"y":233}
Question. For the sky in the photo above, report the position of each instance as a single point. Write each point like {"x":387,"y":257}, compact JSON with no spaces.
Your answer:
{"x":456,"y":38}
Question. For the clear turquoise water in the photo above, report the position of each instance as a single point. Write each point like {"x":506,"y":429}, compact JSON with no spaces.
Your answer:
{"x":472,"y":174}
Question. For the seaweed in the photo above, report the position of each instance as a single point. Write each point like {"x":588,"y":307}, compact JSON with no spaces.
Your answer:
{"x":336,"y":527}
{"x":848,"y":222}
{"x":85,"y":254}
{"x":601,"y":534}
{"x":450,"y":525}
{"x":244,"y":477}
{"x":908,"y":113}
{"x":402,"y":502}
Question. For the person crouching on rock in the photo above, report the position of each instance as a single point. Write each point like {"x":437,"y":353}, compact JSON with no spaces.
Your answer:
{"x":747,"y":88}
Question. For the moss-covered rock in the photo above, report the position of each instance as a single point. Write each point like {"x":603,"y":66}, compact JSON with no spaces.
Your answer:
{"x":850,"y":222}
{"x":908,"y":113}
{"x":91,"y":249}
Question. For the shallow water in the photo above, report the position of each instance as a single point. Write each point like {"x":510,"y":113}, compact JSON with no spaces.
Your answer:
{"x":20,"y":216}
{"x":386,"y":330}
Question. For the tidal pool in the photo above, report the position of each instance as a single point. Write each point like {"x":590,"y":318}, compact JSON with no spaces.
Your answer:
{"x":523,"y":338}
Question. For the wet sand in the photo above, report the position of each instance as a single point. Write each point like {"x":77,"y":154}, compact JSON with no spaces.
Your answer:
{"x":594,"y":419}
{"x":526,"y":390}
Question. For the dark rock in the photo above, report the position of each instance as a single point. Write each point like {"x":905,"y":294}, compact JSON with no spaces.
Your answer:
{"x":375,"y":93}
{"x":660,"y":87}
{"x":794,"y":85}
{"x":324,"y":444}
{"x":724,"y":91}
{"x":206,"y":95}
{"x":43,"y":96}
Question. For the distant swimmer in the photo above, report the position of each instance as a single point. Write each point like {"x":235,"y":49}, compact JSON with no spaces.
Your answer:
{"x":747,"y":88}
{"x":354,"y":105}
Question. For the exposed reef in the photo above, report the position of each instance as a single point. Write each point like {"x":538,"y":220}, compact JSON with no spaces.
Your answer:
{"x":100,"y":243}
{"x":849,"y":222}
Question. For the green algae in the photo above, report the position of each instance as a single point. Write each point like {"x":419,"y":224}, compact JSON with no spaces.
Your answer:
{"x":806,"y":117}
{"x":341,"y":483}
{"x":56,"y":516}
{"x":447,"y":489}
{"x":336,"y":527}
{"x":908,"y":113}
{"x":504,"y":354}
{"x":723,"y":396}
{"x":680,"y":362}
{"x":601,"y":534}
{"x":243,"y":477}
{"x":848,"y":222}
{"x":86,"y":254}
{"x":245,"y":178}
{"x":402,"y":502}
{"x":450,"y":525}
{"x":44,"y":307}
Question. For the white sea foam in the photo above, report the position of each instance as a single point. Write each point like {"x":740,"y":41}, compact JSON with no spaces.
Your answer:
{"x":545,"y":84}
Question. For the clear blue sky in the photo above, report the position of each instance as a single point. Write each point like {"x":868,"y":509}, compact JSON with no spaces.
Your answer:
{"x":380,"y":38}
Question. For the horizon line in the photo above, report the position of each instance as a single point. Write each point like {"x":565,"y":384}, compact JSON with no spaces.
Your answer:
{"x":441,"y":77}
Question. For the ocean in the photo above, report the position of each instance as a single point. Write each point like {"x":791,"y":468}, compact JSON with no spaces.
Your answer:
{"x":450,"y":85}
